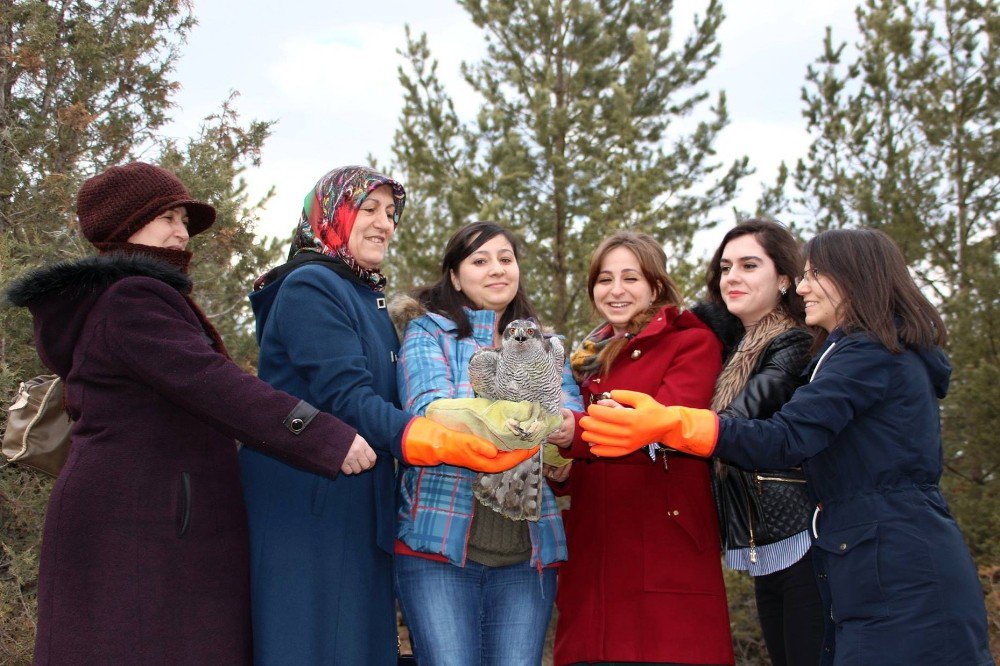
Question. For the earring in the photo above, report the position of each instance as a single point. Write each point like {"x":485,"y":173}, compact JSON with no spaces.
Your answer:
{"x":783,"y":290}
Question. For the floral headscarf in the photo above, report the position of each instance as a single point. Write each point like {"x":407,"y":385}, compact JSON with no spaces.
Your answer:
{"x":329,"y":211}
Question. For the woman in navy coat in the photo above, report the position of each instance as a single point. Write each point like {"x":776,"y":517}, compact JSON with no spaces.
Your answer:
{"x":895,"y":574}
{"x":321,"y":549}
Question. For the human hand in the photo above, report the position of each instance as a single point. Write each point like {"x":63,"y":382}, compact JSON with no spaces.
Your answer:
{"x":618,"y":432}
{"x":608,"y":402}
{"x":614,"y":431}
{"x":557,"y":474}
{"x":563,"y":436}
{"x":360,"y":457}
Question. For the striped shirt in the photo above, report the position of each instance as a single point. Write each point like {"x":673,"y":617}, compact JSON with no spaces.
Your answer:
{"x":771,"y":557}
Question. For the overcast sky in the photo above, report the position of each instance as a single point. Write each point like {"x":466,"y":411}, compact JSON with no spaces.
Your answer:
{"x":326,"y":72}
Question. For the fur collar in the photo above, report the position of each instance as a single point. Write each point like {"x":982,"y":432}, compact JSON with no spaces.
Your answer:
{"x":726,"y":327}
{"x":402,"y":310}
{"x":89,"y":275}
{"x":743,"y":362}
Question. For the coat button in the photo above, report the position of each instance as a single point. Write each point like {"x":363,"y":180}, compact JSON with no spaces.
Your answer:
{"x":296,"y":425}
{"x":676,"y":512}
{"x":636,"y":354}
{"x":843,"y":546}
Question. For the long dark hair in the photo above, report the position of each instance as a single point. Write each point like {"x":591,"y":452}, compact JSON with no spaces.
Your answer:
{"x":653,"y":264}
{"x":442,"y":298}
{"x":780,"y":247}
{"x":878,"y":295}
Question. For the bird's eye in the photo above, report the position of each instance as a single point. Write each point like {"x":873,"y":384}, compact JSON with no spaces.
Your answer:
{"x":531,"y":331}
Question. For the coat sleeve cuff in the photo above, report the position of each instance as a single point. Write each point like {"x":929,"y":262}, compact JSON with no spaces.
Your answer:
{"x":300,"y":417}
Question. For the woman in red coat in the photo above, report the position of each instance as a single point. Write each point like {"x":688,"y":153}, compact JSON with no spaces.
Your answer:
{"x":643,"y":582}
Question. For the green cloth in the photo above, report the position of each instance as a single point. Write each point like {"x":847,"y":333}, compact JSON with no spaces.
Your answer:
{"x":508,"y":425}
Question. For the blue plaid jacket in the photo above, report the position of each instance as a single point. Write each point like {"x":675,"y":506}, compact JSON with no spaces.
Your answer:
{"x":436,"y":503}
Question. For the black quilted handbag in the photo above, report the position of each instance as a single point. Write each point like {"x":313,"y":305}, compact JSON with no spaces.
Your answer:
{"x":759,"y":507}
{"x":785,"y":506}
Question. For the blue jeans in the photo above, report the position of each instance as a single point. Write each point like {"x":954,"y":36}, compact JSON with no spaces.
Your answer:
{"x":463,"y":616}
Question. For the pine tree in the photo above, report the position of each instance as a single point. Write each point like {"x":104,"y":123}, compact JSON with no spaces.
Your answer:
{"x":87,"y":85}
{"x":586,"y":125}
{"x":905,"y":135}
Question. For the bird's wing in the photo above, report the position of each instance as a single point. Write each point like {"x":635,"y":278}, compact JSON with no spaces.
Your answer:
{"x":483,"y":371}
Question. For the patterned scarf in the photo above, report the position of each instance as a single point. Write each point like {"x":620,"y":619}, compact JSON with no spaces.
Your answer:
{"x":586,"y":359}
{"x":328,"y":215}
{"x":743,"y":361}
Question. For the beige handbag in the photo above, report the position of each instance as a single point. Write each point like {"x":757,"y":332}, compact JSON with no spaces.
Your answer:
{"x":38,"y":426}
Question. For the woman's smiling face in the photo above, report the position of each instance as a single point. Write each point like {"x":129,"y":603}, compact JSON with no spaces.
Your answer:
{"x":373,"y":228}
{"x":168,"y":230}
{"x":822,"y":299}
{"x":621,"y":291}
{"x":748,"y":280}
{"x":489,"y":277}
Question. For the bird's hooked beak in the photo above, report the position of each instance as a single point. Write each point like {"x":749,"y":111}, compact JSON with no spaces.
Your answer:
{"x":520,"y":334}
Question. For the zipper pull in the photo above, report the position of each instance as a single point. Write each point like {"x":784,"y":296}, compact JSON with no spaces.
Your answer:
{"x":753,"y":551}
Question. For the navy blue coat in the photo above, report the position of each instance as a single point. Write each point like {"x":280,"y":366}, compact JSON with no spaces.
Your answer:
{"x":896,"y":576}
{"x":320,"y":549}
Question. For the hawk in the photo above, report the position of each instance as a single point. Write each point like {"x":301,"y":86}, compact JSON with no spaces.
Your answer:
{"x":526,"y":366}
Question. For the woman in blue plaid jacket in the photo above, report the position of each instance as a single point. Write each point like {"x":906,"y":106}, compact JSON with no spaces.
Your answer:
{"x":476,"y":587}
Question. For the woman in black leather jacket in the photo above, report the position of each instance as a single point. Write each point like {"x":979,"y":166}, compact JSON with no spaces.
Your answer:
{"x":764,"y":515}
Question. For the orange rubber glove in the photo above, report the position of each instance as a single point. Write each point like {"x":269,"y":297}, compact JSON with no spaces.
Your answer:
{"x":615,"y":432}
{"x":427,"y":443}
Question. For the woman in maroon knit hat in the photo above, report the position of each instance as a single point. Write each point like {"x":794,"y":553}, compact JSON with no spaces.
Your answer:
{"x":145,"y":556}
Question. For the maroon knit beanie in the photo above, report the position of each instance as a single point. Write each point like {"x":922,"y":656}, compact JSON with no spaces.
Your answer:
{"x":115,"y":204}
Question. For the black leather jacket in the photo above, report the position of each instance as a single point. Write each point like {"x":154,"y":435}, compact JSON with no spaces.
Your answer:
{"x":758,"y":507}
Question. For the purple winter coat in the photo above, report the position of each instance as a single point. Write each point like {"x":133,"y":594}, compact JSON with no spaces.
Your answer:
{"x":144,"y":556}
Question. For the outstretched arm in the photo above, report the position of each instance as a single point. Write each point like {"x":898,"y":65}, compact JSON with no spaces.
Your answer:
{"x":851,"y":380}
{"x":151,"y":330}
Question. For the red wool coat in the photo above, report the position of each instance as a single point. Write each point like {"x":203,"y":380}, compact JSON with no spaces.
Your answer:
{"x":644,"y":577}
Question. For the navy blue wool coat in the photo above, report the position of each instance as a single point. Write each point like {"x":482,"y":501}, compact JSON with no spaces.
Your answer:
{"x":896,"y":576}
{"x":321,"y":549}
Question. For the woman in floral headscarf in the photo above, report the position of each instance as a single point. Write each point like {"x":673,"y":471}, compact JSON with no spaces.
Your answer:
{"x":321,"y":563}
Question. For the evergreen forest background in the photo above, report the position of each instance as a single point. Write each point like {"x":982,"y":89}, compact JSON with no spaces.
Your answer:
{"x":593,"y":116}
